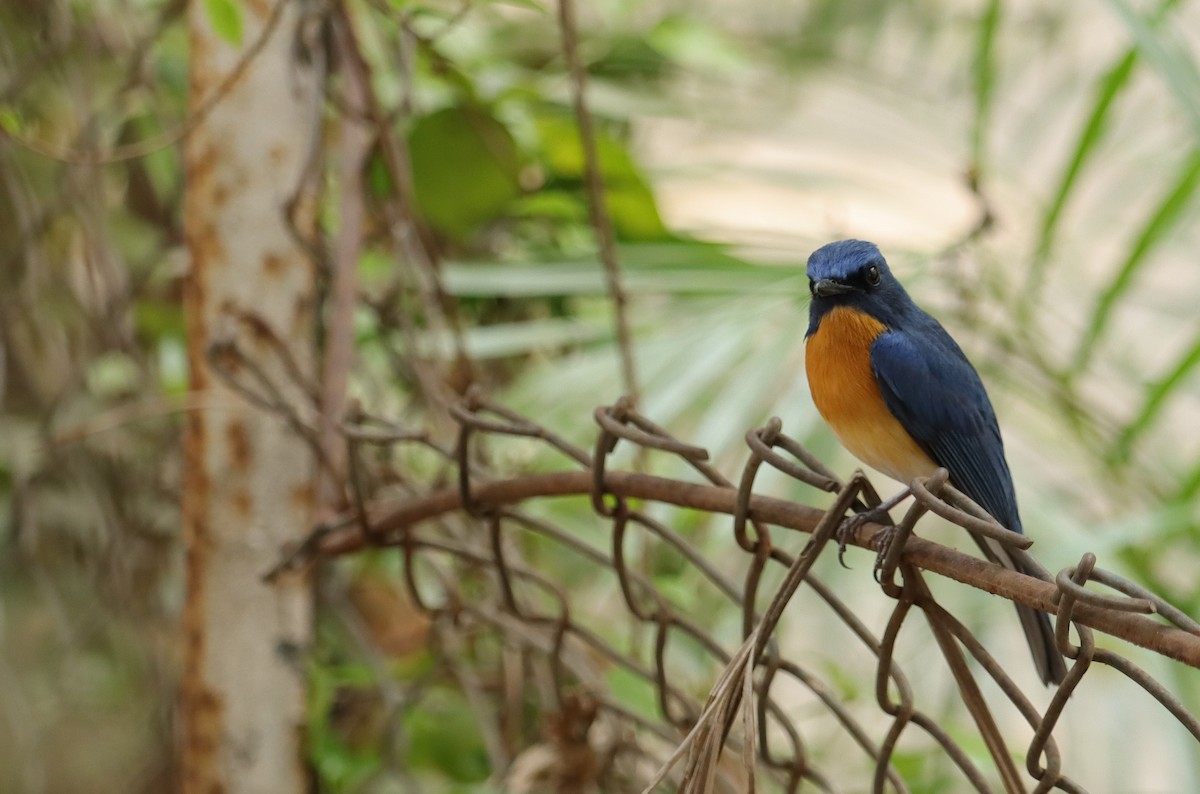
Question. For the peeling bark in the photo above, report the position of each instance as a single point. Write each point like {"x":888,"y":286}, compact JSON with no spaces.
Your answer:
{"x":248,"y":483}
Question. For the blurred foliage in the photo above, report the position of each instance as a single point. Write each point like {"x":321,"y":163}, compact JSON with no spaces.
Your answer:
{"x":1086,"y":321}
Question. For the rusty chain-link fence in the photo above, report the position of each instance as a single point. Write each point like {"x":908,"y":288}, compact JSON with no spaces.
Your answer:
{"x":471,"y":563}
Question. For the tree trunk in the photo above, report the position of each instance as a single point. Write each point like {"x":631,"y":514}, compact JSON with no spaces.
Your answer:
{"x":248,"y":484}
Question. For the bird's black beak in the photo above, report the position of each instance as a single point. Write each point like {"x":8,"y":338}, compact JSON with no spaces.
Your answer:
{"x":827,"y":287}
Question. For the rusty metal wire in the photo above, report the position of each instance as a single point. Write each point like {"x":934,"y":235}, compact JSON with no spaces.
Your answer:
{"x":466,"y":565}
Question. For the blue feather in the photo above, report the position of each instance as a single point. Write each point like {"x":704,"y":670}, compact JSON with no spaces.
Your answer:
{"x":930,"y":386}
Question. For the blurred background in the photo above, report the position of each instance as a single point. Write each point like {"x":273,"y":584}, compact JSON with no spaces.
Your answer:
{"x":1031,"y":170}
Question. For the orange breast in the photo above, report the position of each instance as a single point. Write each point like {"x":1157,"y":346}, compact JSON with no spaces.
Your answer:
{"x":843,"y":385}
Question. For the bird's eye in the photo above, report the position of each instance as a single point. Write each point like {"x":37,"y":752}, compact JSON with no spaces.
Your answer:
{"x":873,"y":276}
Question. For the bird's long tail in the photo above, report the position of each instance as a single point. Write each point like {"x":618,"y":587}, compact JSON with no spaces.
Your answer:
{"x":1038,"y":630}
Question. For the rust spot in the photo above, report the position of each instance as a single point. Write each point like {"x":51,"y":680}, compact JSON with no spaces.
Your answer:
{"x":302,"y":312}
{"x":204,"y":192}
{"x":200,"y":160}
{"x":208,"y":708}
{"x":256,"y":325}
{"x":261,"y":9}
{"x":204,"y":246}
{"x":239,"y":445}
{"x":201,"y":709}
{"x":203,"y":719}
{"x":220,"y":194}
{"x":278,"y":154}
{"x":274,"y":265}
{"x":225,"y":356}
{"x":304,"y":496}
{"x":201,"y":75}
{"x":242,"y":503}
{"x":196,"y":330}
{"x":303,"y":212}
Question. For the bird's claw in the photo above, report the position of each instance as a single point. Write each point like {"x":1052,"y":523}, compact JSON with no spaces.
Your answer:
{"x":884,"y":541}
{"x":850,"y":527}
{"x":847,"y":531}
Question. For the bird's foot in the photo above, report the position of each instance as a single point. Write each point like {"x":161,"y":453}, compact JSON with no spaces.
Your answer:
{"x":849,"y":528}
{"x":883,"y":539}
{"x":878,"y":515}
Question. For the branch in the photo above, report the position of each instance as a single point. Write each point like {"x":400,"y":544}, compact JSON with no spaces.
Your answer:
{"x":598,"y":210}
{"x":390,"y":524}
{"x":355,"y":140}
{"x":410,"y":235}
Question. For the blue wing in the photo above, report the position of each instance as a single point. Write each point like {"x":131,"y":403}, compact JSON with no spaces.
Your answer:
{"x":928,"y":384}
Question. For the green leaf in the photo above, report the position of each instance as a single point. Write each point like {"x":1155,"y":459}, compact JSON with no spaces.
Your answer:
{"x":1106,"y":94}
{"x":630,"y":57}
{"x":694,"y":255}
{"x":10,"y":119}
{"x":511,"y":339}
{"x":225,"y":16}
{"x":1168,"y":53}
{"x":698,"y":45}
{"x":633,"y":212}
{"x":172,"y":365}
{"x":675,"y":381}
{"x":1089,"y":138}
{"x":532,"y":5}
{"x":627,"y":194}
{"x":379,"y":180}
{"x":1161,"y":221}
{"x":633,"y":692}
{"x":443,"y":735}
{"x":554,"y":205}
{"x":985,"y":81}
{"x":1190,"y":486}
{"x":157,"y":318}
{"x":339,"y":766}
{"x":465,"y":166}
{"x":522,"y":281}
{"x":587,"y":278}
{"x":1156,"y":397}
{"x":1107,"y":91}
{"x":112,"y":374}
{"x":376,"y":267}
{"x":563,"y":152}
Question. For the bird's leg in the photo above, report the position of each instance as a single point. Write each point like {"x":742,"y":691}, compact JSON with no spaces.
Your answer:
{"x":877,"y":514}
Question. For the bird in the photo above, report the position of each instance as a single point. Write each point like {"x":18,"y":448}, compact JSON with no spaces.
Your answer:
{"x":902,"y":397}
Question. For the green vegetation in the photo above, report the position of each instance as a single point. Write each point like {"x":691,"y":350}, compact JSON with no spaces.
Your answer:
{"x":1080,"y":130}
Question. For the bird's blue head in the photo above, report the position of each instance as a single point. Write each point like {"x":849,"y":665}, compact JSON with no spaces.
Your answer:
{"x":854,"y":273}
